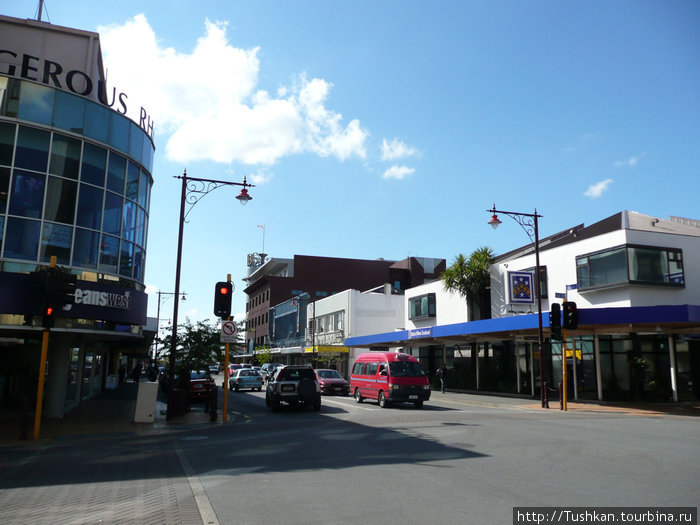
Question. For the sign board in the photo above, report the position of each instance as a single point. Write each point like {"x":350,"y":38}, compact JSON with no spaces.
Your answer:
{"x":228,"y":332}
{"x":521,"y":288}
{"x":560,"y":295}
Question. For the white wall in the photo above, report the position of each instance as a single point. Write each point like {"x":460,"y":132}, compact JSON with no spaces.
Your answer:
{"x":450,"y":307}
{"x":561,"y":271}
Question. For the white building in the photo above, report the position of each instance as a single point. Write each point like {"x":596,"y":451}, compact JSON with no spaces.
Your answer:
{"x":635,"y":282}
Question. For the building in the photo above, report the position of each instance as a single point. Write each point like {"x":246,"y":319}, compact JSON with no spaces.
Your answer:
{"x":634,"y":281}
{"x":75,"y":184}
{"x":274,"y":281}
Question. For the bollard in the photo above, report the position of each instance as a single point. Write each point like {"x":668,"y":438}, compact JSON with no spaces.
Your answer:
{"x":545,"y":395}
{"x":561,"y":397}
{"x":213,"y":402}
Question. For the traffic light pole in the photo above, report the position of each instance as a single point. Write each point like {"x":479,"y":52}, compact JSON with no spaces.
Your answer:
{"x":42,"y":373}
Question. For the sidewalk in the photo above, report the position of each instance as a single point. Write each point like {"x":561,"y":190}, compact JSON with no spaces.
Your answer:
{"x":111,"y":414}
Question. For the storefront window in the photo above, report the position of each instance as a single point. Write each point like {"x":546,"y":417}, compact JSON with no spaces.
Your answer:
{"x":27,"y":194}
{"x":32,"y":151}
{"x":65,"y":157}
{"x":73,"y":369}
{"x":60,"y":200}
{"x":109,"y":254}
{"x":94,"y":165}
{"x":89,"y":207}
{"x":56,"y":240}
{"x":7,"y":143}
{"x":22,"y":239}
{"x":86,"y":248}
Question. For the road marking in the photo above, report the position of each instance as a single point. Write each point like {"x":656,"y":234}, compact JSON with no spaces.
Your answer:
{"x":206,"y":511}
{"x":326,"y":400}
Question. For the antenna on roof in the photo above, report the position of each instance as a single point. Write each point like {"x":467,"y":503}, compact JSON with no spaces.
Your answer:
{"x":40,"y":9}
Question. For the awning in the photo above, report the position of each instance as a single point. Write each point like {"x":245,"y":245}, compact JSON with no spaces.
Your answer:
{"x":326,"y":348}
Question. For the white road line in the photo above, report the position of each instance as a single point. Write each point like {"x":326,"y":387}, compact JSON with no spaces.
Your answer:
{"x":206,"y":511}
{"x":356,"y":405}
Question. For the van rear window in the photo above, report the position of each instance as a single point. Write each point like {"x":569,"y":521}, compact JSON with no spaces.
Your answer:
{"x":405,"y":369}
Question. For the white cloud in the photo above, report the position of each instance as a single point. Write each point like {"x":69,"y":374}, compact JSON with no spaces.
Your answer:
{"x":396,"y":149}
{"x":630,"y":163}
{"x":596,"y":190}
{"x":209,"y":102}
{"x":398,"y":172}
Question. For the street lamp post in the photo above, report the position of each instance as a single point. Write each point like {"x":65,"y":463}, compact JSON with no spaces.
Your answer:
{"x":193,"y":189}
{"x":528,"y":222}
{"x":183,"y":298}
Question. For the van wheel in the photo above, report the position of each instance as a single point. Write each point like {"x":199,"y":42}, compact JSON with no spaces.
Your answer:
{"x":417,"y":404}
{"x":358,"y":396}
{"x":382,"y":400}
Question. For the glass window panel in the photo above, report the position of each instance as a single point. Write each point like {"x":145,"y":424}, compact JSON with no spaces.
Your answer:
{"x":36,"y":103}
{"x":140,"y":226}
{"x":675,"y":269}
{"x":69,"y":112}
{"x":97,"y":119}
{"x":9,"y":96}
{"x":90,"y":207}
{"x":147,"y":158}
{"x":4,"y":188}
{"x":582,"y":277}
{"x":135,"y":141}
{"x":109,"y":254}
{"x":119,"y":132}
{"x":21,"y":239}
{"x":86,"y":248}
{"x":116,"y":171}
{"x":113,"y":214}
{"x":608,"y":268}
{"x":56,"y":240}
{"x":65,"y":156}
{"x":2,"y":228}
{"x":7,"y":143}
{"x":648,"y":265}
{"x":143,"y":185}
{"x":27,"y":194}
{"x":126,"y":259}
{"x":132,"y":181}
{"x":94,"y":164}
{"x":32,"y":149}
{"x":138,"y":263}
{"x":60,"y":200}
{"x":129,"y":221}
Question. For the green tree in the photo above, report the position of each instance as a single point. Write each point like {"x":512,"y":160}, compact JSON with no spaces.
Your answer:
{"x":471,"y":278}
{"x":198,"y":346}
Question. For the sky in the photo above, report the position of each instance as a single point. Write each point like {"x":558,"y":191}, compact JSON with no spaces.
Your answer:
{"x":386,"y":129}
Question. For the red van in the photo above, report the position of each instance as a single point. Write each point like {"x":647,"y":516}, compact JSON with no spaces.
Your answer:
{"x":389,"y":377}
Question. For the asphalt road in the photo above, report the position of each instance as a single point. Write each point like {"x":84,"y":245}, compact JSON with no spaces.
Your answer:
{"x":447,"y":463}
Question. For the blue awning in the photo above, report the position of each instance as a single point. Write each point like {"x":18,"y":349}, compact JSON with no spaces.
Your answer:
{"x":666,"y":316}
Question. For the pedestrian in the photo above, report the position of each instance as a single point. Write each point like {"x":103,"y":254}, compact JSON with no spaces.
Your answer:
{"x":442,"y":374}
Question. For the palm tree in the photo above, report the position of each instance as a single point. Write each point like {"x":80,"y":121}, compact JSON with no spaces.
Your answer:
{"x":472,"y":280}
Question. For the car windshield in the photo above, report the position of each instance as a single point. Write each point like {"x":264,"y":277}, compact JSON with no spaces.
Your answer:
{"x":405,"y":369}
{"x":199,"y":374}
{"x":295,"y":374}
{"x":248,"y":372}
{"x":329,"y":374}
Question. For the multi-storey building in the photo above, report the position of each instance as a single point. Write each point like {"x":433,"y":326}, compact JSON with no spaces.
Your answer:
{"x":75,"y":184}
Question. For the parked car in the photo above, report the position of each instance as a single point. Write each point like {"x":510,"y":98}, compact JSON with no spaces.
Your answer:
{"x":245,"y":378}
{"x":267,"y":369}
{"x":331,"y":382}
{"x":389,"y":377}
{"x":293,"y":385}
{"x":200,"y":383}
{"x":214,"y":369}
{"x":233,"y":367}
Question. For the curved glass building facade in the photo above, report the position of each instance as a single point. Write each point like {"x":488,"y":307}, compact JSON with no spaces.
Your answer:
{"x":75,"y":182}
{"x":75,"y":185}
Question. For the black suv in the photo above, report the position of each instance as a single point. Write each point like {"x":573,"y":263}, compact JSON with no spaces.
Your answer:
{"x":294,"y":385}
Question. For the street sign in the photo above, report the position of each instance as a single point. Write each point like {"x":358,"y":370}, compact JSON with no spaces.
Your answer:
{"x":228,"y":332}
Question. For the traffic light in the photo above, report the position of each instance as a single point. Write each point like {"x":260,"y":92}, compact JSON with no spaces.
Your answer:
{"x":222,"y":299}
{"x":555,"y":321}
{"x":66,"y":289}
{"x":48,"y":317}
{"x":570,"y":321}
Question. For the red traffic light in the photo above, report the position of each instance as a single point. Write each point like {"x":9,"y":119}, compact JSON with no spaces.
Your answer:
{"x":222,"y":299}
{"x":49,"y":310}
{"x":224,"y":290}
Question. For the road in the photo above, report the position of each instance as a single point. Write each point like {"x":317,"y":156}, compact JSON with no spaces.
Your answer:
{"x":350,"y":463}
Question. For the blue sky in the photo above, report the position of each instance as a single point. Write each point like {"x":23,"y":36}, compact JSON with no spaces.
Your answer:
{"x":387,"y":128}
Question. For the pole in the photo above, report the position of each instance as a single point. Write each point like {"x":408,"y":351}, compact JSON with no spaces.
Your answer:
{"x":564,"y":387}
{"x":42,"y":372}
{"x":226,"y":354}
{"x":540,"y":338}
{"x":173,"y":343}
